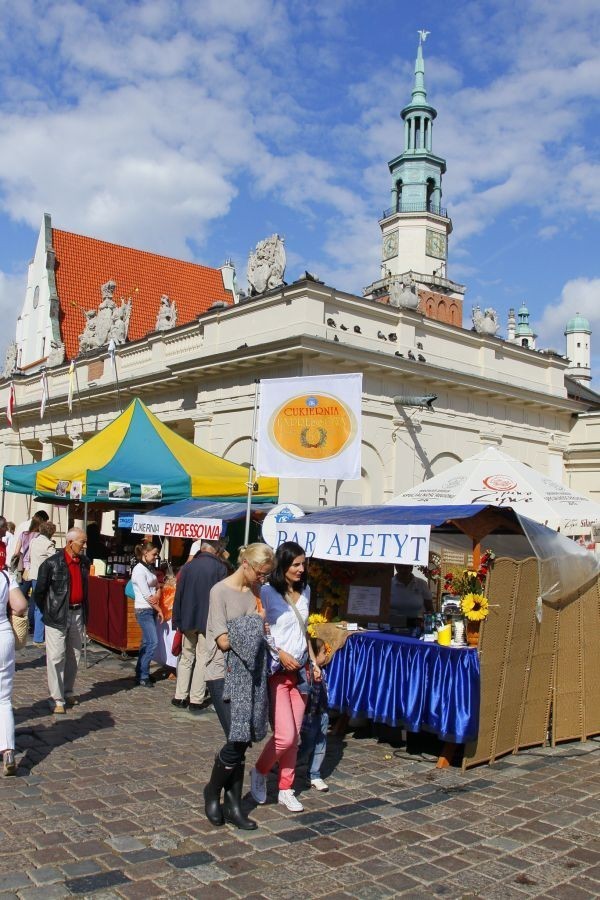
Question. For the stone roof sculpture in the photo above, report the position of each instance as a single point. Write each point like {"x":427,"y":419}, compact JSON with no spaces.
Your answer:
{"x":167,"y":314}
{"x":404,"y":295}
{"x":109,"y":322}
{"x":485,"y":322}
{"x":10,"y":360}
{"x":266,"y":266}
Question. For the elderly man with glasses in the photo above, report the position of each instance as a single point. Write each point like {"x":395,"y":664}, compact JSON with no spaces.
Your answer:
{"x":61,"y":595}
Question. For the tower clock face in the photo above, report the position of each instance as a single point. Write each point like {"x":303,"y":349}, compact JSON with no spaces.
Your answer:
{"x":436,"y":244}
{"x":390,"y":245}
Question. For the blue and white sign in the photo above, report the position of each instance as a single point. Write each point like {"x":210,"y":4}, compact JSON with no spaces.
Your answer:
{"x":406,"y":544}
{"x":284,"y":512}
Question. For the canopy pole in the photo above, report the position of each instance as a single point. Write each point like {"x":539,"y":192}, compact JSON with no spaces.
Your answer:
{"x":85,"y":637}
{"x":476,"y":554}
{"x":251,"y":468}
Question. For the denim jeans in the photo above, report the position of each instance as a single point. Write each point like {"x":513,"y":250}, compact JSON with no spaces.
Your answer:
{"x":147,"y":622}
{"x":38,"y":621}
{"x":314,"y":742}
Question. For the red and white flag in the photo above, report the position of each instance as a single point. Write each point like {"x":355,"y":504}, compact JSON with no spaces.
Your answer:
{"x":10,"y":403}
{"x":44,"y":403}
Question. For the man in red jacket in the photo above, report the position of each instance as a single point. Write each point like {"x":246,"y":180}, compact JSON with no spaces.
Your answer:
{"x":61,"y":594}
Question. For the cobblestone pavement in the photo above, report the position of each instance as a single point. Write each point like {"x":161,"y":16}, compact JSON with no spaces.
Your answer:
{"x":108,"y":803}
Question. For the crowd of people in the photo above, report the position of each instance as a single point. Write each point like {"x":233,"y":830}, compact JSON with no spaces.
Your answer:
{"x":244,"y":649}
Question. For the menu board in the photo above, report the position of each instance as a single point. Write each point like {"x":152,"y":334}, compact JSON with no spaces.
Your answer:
{"x":364,"y":600}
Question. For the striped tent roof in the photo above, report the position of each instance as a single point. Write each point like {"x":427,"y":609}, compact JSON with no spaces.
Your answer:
{"x":135,"y":459}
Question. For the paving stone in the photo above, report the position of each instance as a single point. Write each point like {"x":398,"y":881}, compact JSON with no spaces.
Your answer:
{"x":83,"y":867}
{"x":137,"y":856}
{"x":125,"y":844}
{"x":47,"y":892}
{"x":14,"y":880}
{"x":87,"y":884}
{"x":46,"y":875}
{"x":190,"y":860}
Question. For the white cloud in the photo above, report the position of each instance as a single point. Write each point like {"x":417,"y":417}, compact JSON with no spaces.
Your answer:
{"x":140,"y":122}
{"x":12,"y":291}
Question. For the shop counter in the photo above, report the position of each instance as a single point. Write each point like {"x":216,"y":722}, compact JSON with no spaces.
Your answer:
{"x":404,"y":682}
{"x":111,"y":615}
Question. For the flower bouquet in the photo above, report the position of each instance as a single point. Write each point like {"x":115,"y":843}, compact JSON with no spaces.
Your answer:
{"x":469,"y":585}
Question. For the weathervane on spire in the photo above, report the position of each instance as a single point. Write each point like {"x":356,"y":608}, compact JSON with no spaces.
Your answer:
{"x":423,"y":35}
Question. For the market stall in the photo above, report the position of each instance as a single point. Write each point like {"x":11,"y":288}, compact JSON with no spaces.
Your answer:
{"x":192,"y":520}
{"x":423,"y":686}
{"x":404,"y":682}
{"x":136,"y":460}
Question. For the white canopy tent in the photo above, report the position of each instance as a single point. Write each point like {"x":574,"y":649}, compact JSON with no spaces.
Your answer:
{"x":492,"y":477}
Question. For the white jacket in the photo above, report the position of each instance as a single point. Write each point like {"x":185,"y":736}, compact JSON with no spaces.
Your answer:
{"x":40,"y":549}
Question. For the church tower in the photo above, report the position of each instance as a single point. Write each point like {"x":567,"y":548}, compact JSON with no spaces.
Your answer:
{"x":416,"y":227}
{"x":578,"y":335}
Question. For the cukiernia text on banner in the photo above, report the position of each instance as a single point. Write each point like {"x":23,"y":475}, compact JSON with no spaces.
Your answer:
{"x":310,"y":427}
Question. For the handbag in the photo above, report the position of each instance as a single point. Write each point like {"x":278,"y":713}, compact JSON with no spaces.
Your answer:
{"x":16,"y":567}
{"x":19,"y":624}
{"x":177,"y":643}
{"x":129,"y":591}
{"x":20,"y":627}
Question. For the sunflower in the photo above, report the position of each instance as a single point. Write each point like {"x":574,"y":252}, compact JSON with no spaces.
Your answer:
{"x":474,"y":607}
{"x":315,"y":619}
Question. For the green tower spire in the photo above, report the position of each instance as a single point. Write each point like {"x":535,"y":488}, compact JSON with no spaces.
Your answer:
{"x":419,"y":94}
{"x":417,"y":172}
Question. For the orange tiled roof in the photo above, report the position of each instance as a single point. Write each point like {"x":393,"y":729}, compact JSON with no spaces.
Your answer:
{"x":83,"y":264}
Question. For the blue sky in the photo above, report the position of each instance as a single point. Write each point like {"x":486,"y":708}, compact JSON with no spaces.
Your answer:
{"x":195,"y":128}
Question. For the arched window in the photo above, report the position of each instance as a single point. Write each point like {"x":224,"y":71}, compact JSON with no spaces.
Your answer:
{"x":399,"y":195}
{"x":431,"y":207}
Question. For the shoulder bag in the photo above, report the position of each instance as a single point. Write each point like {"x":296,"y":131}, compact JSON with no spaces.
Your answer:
{"x":19,"y":624}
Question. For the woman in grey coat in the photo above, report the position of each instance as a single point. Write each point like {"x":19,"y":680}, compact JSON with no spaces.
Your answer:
{"x":238,"y":703}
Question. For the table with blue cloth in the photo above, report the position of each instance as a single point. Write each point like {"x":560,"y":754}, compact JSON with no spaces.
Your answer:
{"x":401,"y":681}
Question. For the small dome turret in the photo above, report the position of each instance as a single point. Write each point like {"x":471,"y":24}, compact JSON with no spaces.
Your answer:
{"x":578,"y":323}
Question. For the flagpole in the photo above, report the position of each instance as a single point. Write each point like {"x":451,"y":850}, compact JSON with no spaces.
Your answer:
{"x":78,"y":399}
{"x":113,"y":359}
{"x":251,"y":468}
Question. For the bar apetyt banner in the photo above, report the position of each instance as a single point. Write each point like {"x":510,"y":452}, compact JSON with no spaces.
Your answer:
{"x":400,"y":544}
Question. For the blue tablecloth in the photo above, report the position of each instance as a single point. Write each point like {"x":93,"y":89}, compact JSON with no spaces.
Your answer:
{"x":405,"y":682}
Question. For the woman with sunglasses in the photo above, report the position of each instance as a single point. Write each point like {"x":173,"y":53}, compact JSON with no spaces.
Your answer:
{"x":231,"y":599}
{"x":286,"y":600}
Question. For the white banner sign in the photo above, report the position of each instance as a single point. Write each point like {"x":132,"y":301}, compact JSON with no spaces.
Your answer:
{"x":209,"y":529}
{"x":406,"y":544}
{"x":310,"y":427}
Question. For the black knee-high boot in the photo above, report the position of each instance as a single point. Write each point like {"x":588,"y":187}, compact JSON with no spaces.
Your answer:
{"x":219,"y":777}
{"x":232,"y":806}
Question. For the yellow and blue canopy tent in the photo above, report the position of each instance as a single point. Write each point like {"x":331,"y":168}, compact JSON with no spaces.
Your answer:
{"x":137,"y":458}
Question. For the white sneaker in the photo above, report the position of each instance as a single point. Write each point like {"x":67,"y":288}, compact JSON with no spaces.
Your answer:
{"x":319,"y":784}
{"x":289,"y":799}
{"x":258,"y":786}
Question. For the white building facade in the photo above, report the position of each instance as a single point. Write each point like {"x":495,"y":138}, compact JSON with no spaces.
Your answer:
{"x":404,"y":335}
